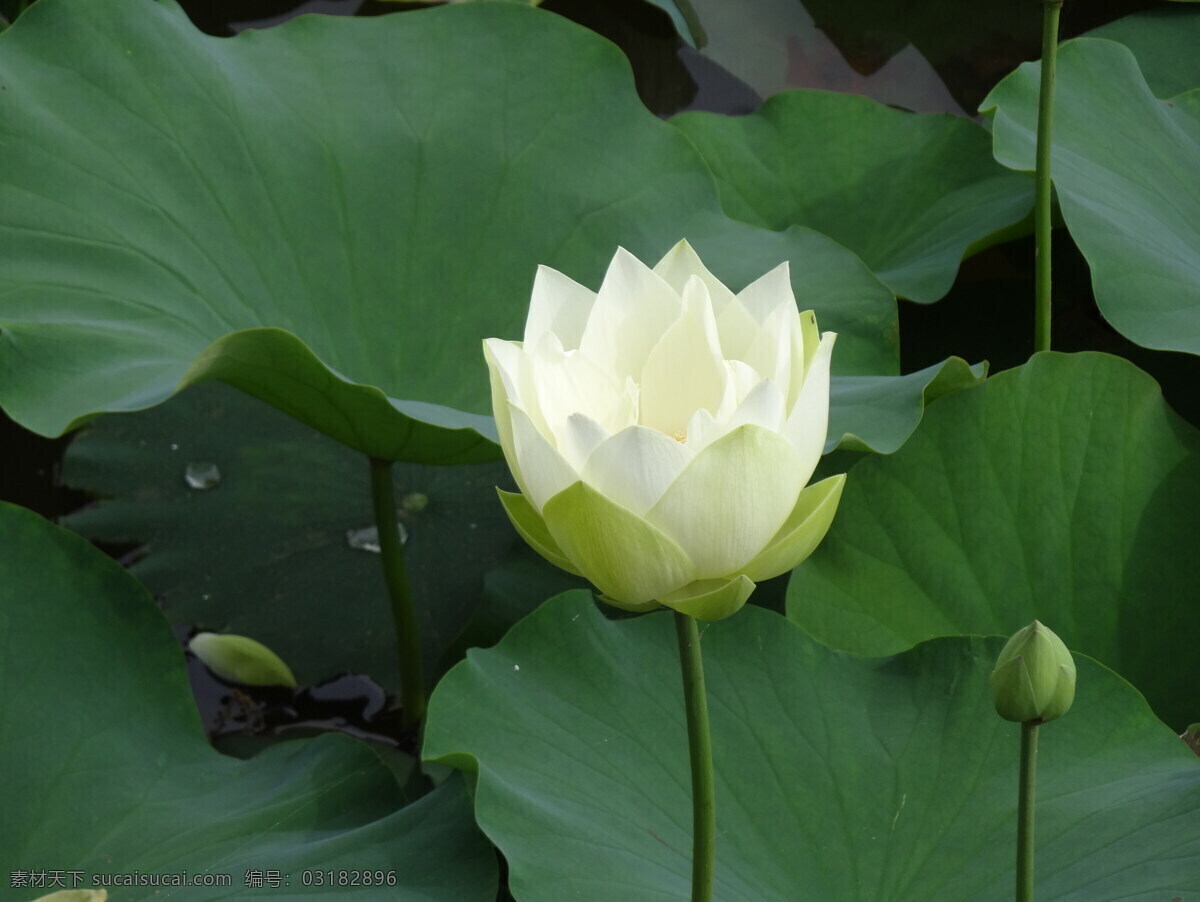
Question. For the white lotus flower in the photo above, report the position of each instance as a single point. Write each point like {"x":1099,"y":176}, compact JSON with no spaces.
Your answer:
{"x":663,"y":429}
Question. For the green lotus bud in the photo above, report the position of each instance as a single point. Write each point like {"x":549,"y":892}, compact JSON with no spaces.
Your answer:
{"x":239,"y":659}
{"x":1034,"y":679}
{"x":414,"y":502}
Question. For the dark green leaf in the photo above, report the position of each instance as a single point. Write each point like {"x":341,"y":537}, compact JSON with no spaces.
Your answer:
{"x":109,"y":770}
{"x":275,"y":550}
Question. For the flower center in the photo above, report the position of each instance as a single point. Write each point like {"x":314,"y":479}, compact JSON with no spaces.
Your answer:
{"x":680,"y":436}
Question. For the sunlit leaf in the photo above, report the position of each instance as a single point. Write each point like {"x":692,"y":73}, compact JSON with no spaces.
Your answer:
{"x":1126,"y":168}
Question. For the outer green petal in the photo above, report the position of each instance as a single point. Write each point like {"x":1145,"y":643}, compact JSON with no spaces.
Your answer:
{"x":802,"y":532}
{"x":729,"y":502}
{"x":638,"y":607}
{"x":711,"y":599}
{"x":626,"y":557}
{"x":529,"y":523}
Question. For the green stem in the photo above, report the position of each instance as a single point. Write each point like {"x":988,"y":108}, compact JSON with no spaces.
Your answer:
{"x":1025,"y":806}
{"x":395,"y":575}
{"x":704,"y":801}
{"x":1042,"y":185}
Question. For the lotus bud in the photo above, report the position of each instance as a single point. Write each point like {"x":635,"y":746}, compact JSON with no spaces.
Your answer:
{"x":1034,"y":679}
{"x":414,"y":502}
{"x":239,"y":659}
{"x":663,"y":431}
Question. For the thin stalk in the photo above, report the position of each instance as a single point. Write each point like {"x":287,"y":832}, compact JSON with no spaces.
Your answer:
{"x":704,"y":801}
{"x":395,"y":575}
{"x":1042,"y":185}
{"x":1025,"y":806}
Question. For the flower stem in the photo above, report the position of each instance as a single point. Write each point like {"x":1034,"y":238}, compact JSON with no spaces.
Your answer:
{"x":1025,"y":805}
{"x":704,"y":802}
{"x":1042,"y":185}
{"x":395,"y":575}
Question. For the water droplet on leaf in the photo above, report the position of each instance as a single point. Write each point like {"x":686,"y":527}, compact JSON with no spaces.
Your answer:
{"x":202,"y":475}
{"x":367,"y":539}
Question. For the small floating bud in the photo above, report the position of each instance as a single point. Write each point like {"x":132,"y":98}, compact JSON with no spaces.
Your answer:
{"x":239,"y":659}
{"x":414,"y":502}
{"x":1034,"y":679}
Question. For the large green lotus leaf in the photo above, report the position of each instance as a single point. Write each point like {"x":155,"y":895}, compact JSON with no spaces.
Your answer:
{"x":278,"y":549}
{"x":1164,"y":42}
{"x":1064,"y":489}
{"x":879,"y":413}
{"x":109,"y":770}
{"x":511,"y":591}
{"x":838,"y":778}
{"x":911,"y":195}
{"x":332,"y":214}
{"x":1126,"y":167}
